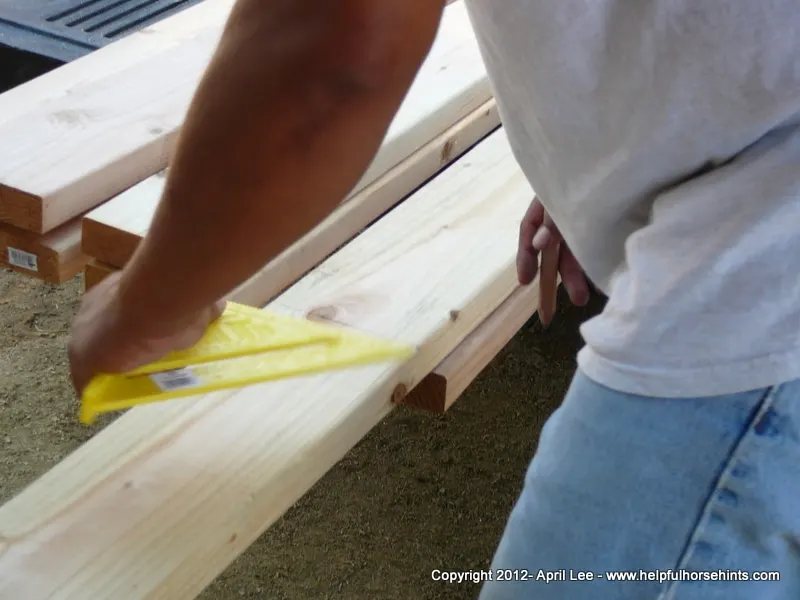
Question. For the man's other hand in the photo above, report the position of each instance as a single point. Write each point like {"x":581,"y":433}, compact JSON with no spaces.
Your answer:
{"x":537,"y":232}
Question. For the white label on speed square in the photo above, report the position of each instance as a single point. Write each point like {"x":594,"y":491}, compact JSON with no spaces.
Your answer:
{"x":177,"y":379}
{"x":22,"y":259}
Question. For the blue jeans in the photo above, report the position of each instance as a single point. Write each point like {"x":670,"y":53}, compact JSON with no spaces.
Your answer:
{"x":685,"y":496}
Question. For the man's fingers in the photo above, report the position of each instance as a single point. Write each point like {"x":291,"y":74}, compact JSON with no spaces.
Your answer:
{"x":572,"y":277}
{"x":527,"y":261}
{"x":527,"y":265}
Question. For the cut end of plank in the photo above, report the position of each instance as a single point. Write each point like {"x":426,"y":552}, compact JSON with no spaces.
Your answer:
{"x":429,"y":394}
{"x":107,"y":244}
{"x":21,"y":209}
{"x":441,"y":388}
{"x":54,"y":257}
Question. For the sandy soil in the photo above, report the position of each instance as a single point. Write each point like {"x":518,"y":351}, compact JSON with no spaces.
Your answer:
{"x":421,"y":492}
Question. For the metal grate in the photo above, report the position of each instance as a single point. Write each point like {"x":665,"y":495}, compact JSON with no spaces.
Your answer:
{"x":67,"y":29}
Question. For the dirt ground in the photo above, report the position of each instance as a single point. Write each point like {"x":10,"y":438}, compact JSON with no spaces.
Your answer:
{"x":421,"y":492}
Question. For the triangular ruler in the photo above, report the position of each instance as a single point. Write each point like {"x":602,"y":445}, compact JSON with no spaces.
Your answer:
{"x":243,"y":347}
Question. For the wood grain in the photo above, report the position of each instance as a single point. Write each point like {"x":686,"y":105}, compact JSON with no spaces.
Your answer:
{"x":440,"y":389}
{"x":54,"y":257}
{"x":161,"y":501}
{"x":67,"y":155}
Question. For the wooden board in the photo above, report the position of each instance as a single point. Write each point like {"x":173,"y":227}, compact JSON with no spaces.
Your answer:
{"x":112,"y":232}
{"x":441,"y":388}
{"x":67,"y":155}
{"x":54,"y":257}
{"x":93,"y":127}
{"x":139,"y":47}
{"x":94,"y":272}
{"x":166,"y":497}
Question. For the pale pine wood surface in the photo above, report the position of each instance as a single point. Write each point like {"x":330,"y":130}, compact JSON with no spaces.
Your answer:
{"x":160,"y":502}
{"x":140,"y":46}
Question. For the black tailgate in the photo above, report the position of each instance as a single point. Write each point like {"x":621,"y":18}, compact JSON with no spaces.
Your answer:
{"x":67,"y":29}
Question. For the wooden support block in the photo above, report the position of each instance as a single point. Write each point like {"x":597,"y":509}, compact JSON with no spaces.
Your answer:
{"x":66,"y":155}
{"x":94,"y":272}
{"x":54,"y":257}
{"x":166,"y":497}
{"x":440,"y":389}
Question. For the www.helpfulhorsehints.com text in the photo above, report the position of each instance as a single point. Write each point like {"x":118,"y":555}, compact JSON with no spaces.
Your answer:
{"x":542,"y":576}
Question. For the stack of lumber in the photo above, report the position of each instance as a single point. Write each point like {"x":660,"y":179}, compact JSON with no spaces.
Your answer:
{"x":162,"y":500}
{"x":448,"y":108}
{"x":85,"y":132}
{"x":76,"y":136}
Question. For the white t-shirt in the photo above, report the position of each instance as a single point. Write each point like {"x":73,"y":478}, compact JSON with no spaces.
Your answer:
{"x":662,"y":136}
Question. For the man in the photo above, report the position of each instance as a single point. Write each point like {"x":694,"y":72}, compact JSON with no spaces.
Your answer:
{"x":662,"y":138}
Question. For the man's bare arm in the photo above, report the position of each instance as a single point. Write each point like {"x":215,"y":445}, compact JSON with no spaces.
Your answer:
{"x":286,"y":120}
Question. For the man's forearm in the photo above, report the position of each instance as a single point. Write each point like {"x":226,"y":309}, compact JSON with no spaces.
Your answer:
{"x":286,"y":120}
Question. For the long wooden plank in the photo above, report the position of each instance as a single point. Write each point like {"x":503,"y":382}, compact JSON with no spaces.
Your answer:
{"x":66,"y":156}
{"x":161,"y":501}
{"x":133,"y":210}
{"x":54,"y":257}
{"x":112,"y":231}
{"x":441,"y":388}
{"x":138,"y":47}
{"x":112,"y":248}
